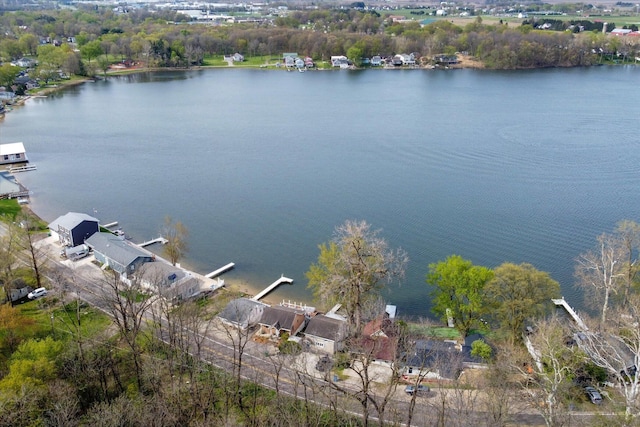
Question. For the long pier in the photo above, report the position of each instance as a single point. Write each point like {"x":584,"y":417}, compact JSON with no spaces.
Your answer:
{"x":272,"y":286}
{"x":220,"y":271}
{"x":151,"y":242}
{"x":563,"y":303}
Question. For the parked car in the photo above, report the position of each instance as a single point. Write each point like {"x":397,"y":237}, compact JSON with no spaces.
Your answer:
{"x":594,"y":395}
{"x":37,"y":293}
{"x":411,"y":389}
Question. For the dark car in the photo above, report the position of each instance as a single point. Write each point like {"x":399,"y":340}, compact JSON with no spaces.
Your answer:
{"x":594,"y":395}
{"x":411,"y":389}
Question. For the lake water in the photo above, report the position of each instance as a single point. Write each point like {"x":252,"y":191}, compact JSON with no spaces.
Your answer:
{"x":261,"y":166}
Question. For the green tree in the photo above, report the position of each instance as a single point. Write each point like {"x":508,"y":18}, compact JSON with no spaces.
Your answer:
{"x":458,"y":291}
{"x":8,"y":74}
{"x":91,"y":50}
{"x":28,"y":43}
{"x":353,"y":268}
{"x":517,"y":294}
{"x":355,"y":54}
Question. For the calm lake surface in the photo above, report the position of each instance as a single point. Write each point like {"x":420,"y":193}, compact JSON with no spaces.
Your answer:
{"x":261,"y":166}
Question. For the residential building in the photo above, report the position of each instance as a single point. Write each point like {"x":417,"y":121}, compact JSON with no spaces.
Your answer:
{"x":278,"y":319}
{"x":242,"y":313}
{"x":13,"y":153}
{"x":169,"y":281}
{"x":73,"y":228}
{"x":325,"y":334}
{"x":118,"y":254}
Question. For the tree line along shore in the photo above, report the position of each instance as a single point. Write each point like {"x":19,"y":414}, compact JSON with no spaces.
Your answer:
{"x":49,"y":45}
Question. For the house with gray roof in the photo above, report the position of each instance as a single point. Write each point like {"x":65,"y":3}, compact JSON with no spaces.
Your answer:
{"x":169,"y":281}
{"x":326,"y":334}
{"x":278,"y":319}
{"x":73,"y":228}
{"x":118,"y":254}
{"x":242,"y":313}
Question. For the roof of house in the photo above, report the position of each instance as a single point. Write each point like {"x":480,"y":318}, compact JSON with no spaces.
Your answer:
{"x":326,"y":327}
{"x":116,"y":248}
{"x":279,"y":315}
{"x":437,"y":355}
{"x":70,"y":220}
{"x":239,"y":310}
{"x":13,"y":148}
{"x":160,"y":273}
{"x":7,"y":185}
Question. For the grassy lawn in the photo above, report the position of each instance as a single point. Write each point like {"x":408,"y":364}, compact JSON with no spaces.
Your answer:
{"x":49,"y":314}
{"x":9,"y":209}
{"x":439,"y":332}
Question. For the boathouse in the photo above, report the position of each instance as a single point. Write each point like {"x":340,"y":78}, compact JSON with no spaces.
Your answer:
{"x":12,"y":153}
{"x":73,"y":228}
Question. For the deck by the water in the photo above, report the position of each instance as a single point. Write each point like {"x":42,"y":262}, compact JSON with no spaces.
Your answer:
{"x":271,"y":287}
{"x":219,"y":271}
{"x":151,"y":242}
{"x":25,"y":168}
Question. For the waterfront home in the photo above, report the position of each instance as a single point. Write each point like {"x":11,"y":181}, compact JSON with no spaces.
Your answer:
{"x":308,"y":62}
{"x":376,"y":61}
{"x":433,"y":359}
{"x":237,"y":57}
{"x":339,"y":61}
{"x":379,"y":340}
{"x":13,"y":153}
{"x":73,"y":228}
{"x":279,"y":319}
{"x":118,"y":254}
{"x":171,"y":282}
{"x":242,"y":313}
{"x":445,"y":59}
{"x":325,"y":334}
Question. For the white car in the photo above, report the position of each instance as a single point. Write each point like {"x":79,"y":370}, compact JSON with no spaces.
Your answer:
{"x":37,"y":293}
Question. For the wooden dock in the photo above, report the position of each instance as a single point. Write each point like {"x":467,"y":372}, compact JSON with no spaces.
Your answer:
{"x":563,"y":303}
{"x":271,"y":287}
{"x":220,"y":271}
{"x":25,"y":168}
{"x":151,"y":242}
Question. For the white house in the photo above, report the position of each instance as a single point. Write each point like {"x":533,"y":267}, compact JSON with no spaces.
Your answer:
{"x":12,"y":153}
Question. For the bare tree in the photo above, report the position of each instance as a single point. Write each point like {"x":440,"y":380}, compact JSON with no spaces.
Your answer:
{"x":128,"y":305}
{"x":176,"y":234}
{"x":546,"y":380}
{"x":601,"y":273}
{"x":28,"y":241}
{"x":616,"y":348}
{"x":353,"y":267}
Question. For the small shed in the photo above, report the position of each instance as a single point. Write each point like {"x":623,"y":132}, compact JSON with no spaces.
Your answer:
{"x":13,"y":153}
